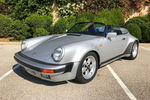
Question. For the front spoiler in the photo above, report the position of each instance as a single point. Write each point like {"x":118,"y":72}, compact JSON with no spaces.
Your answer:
{"x":35,"y":68}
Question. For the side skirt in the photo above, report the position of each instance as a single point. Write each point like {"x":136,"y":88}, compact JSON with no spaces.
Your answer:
{"x":113,"y":59}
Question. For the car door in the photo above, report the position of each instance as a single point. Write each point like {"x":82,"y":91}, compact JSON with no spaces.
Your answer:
{"x":112,"y":47}
{"x":121,"y":41}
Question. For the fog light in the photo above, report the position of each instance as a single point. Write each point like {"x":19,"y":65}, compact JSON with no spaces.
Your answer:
{"x":48,"y":71}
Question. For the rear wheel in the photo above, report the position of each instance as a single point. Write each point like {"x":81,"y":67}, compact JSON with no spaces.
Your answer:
{"x":134,"y":51}
{"x":87,"y":68}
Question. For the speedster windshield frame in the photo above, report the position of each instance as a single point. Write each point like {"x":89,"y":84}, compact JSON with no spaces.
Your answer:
{"x":88,"y":28}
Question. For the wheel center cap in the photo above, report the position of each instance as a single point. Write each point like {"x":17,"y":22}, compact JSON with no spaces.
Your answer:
{"x":89,"y":67}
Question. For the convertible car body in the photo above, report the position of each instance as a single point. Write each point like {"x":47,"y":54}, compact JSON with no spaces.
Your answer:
{"x":78,"y":53}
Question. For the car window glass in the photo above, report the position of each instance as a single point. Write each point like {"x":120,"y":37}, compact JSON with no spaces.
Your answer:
{"x":89,"y":28}
{"x":99,"y":28}
{"x":84,"y":27}
{"x":117,"y":30}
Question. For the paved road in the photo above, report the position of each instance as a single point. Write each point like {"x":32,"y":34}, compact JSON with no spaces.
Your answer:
{"x":19,"y":85}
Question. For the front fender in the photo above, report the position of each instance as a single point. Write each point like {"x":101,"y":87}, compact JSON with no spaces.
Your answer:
{"x":75,"y":52}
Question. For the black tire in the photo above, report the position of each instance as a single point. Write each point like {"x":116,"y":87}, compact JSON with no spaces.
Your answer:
{"x":79,"y":76}
{"x":132,"y":57}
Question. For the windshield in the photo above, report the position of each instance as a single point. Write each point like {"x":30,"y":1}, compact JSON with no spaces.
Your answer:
{"x":88,"y":28}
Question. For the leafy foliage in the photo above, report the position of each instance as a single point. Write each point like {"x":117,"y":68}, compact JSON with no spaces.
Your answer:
{"x":143,"y":23}
{"x":138,"y":20}
{"x":146,"y":32}
{"x":135,"y":30}
{"x":23,"y":8}
{"x":33,"y":17}
{"x":70,"y":21}
{"x":38,"y":21}
{"x":60,"y":26}
{"x":97,"y":5}
{"x":124,"y":5}
{"x":112,"y":17}
{"x":40,"y":32}
{"x":5,"y":22}
{"x":70,"y":8}
{"x":4,"y":8}
{"x":85,"y":17}
{"x":148,"y":16}
{"x":20,"y":30}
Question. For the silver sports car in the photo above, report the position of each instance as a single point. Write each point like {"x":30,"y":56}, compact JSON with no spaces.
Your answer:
{"x":78,"y":54}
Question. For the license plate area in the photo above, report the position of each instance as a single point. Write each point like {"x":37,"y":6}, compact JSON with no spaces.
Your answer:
{"x":32,"y":72}
{"x":45,"y":76}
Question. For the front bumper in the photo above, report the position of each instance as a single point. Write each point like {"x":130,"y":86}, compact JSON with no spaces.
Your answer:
{"x":62,"y":72}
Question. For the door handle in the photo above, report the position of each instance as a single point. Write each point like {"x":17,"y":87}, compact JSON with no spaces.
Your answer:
{"x":123,"y":38}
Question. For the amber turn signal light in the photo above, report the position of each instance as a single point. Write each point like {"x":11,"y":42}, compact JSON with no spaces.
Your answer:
{"x":48,"y":71}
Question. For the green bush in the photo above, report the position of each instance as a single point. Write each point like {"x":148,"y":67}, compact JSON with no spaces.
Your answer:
{"x":85,"y":17}
{"x":138,"y":20}
{"x":60,"y":26}
{"x":146,"y":32}
{"x":38,"y":21}
{"x":102,"y":20}
{"x":112,"y":17}
{"x":135,"y":30}
{"x":82,"y":19}
{"x":143,"y":23}
{"x":20,"y":30}
{"x":5,"y":28}
{"x":143,"y":18}
{"x":40,"y":32}
{"x":148,"y":16}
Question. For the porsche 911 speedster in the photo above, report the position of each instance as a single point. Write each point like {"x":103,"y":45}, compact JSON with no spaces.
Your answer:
{"x":77,"y":54}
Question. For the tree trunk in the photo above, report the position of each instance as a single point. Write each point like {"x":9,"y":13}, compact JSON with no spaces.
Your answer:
{"x":54,"y":13}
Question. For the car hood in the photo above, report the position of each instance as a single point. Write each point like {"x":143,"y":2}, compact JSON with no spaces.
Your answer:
{"x":44,"y":50}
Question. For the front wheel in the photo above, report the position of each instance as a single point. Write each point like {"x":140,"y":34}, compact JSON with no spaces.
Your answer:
{"x":134,"y":51}
{"x":87,"y":68}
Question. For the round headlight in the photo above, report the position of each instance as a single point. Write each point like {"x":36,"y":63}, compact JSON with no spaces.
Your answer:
{"x":58,"y":54}
{"x":24,"y":45}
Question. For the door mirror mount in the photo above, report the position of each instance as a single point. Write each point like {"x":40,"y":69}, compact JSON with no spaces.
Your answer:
{"x":111,"y":35}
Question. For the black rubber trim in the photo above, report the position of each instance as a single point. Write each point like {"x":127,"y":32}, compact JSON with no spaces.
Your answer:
{"x":59,"y":70}
{"x":27,"y":65}
{"x":68,"y":67}
{"x":112,"y":59}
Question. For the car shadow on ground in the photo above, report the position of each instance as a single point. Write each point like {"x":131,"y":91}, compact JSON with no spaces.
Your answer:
{"x":22,"y":73}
